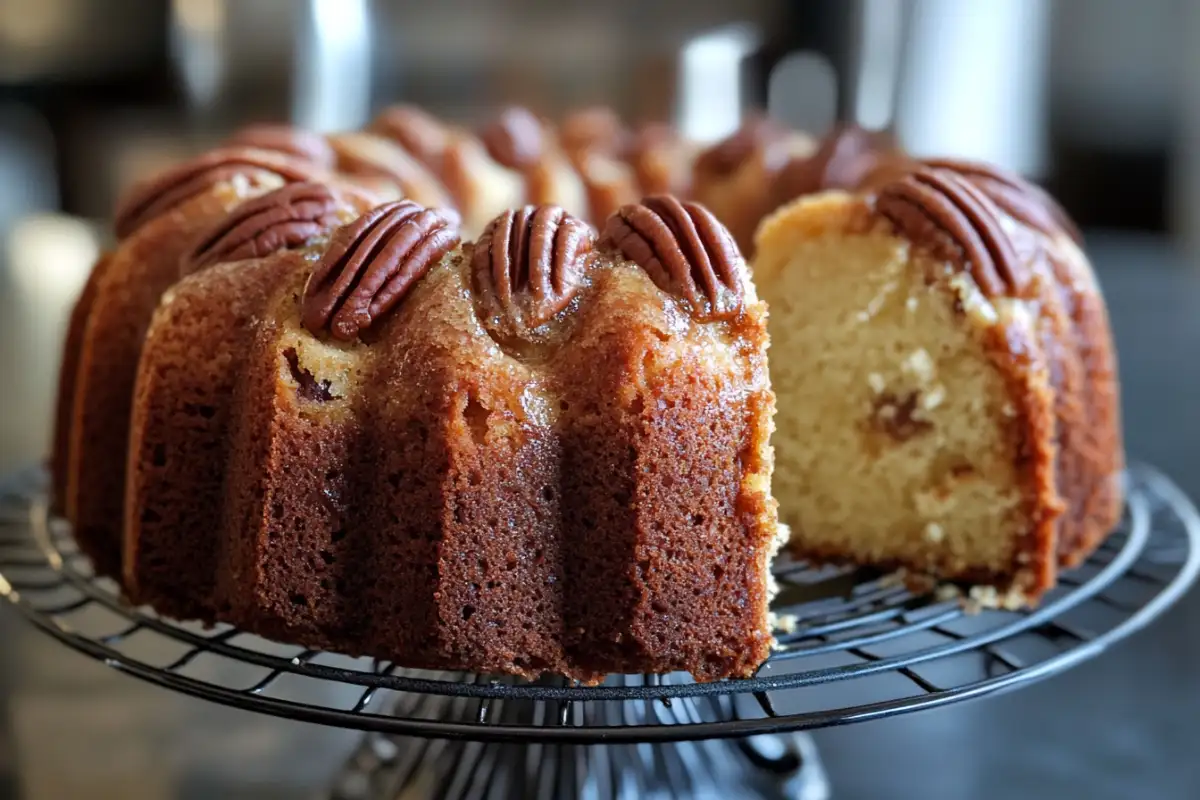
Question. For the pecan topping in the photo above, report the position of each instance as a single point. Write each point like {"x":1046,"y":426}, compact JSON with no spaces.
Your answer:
{"x":516,"y":139}
{"x":284,"y":219}
{"x":372,"y":263}
{"x":532,"y":261}
{"x":661,"y":160}
{"x":417,"y":131}
{"x":597,"y":129}
{"x":373,"y":158}
{"x":723,"y":159}
{"x":942,"y":211}
{"x":155,"y":197}
{"x":1023,"y":201}
{"x":845,"y":156}
{"x":287,"y":140}
{"x":685,"y":251}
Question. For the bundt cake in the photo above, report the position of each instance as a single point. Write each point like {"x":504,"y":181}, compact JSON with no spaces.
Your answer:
{"x":538,"y":452}
{"x":947,"y":389}
{"x":389,"y":392}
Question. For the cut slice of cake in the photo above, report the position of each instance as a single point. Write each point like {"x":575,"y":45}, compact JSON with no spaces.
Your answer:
{"x":927,"y":370}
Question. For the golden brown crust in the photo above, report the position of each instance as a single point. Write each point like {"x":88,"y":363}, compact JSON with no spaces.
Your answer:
{"x":68,"y":374}
{"x":140,"y":269}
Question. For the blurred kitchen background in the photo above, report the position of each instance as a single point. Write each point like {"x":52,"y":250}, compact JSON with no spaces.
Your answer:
{"x":1098,"y":99}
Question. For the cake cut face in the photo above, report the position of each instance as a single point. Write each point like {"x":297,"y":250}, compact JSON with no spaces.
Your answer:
{"x":926,"y":375}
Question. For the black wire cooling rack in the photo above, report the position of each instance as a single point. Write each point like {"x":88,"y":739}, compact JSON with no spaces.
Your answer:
{"x":858,"y":646}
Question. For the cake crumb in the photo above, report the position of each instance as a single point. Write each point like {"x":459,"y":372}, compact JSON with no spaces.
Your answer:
{"x":934,"y":532}
{"x":919,"y":365}
{"x":783,"y":623}
{"x":910,"y":304}
{"x":877,"y":383}
{"x":933,"y":398}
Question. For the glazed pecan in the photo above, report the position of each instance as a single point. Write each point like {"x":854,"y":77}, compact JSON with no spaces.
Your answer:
{"x":417,"y":131}
{"x":685,"y":251}
{"x":942,"y":212}
{"x":597,"y":129}
{"x":155,"y":197}
{"x":372,"y":263}
{"x":284,"y":219}
{"x":516,"y":138}
{"x":725,"y":157}
{"x":843,"y":158}
{"x":1023,"y":201}
{"x":531,"y":261}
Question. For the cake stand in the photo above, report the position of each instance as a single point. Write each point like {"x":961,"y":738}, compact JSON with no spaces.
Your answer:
{"x":858,"y":646}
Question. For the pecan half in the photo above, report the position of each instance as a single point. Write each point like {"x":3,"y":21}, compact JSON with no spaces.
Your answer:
{"x":372,"y":263}
{"x":596,"y":129}
{"x":684,"y":250}
{"x":942,"y":212}
{"x":843,"y":158}
{"x":725,"y":157}
{"x":1023,"y":201}
{"x":284,"y":219}
{"x":516,"y":138}
{"x":287,"y":140}
{"x":417,"y":131}
{"x":155,"y":197}
{"x":531,"y":261}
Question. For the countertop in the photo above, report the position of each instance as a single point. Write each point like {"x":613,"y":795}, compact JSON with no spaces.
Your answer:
{"x":1124,"y":725}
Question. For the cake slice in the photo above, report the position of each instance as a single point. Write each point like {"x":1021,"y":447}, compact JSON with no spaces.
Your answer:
{"x":930,"y":368}
{"x":156,"y":223}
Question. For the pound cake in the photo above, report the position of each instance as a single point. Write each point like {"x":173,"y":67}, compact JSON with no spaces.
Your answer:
{"x":470,"y":430}
{"x":946,"y":382}
{"x":544,"y":451}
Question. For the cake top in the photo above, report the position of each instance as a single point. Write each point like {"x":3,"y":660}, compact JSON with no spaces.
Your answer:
{"x":1023,"y":201}
{"x":942,"y":212}
{"x":684,"y":250}
{"x":157,"y":196}
{"x":372,"y":263}
{"x":284,"y":219}
{"x":843,"y":159}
